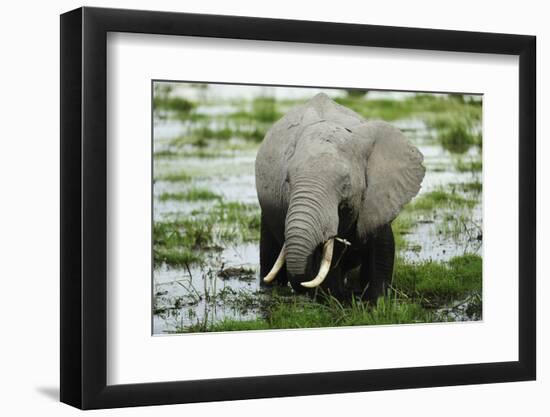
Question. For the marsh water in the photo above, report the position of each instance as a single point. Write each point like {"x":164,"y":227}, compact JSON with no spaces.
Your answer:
{"x":225,"y":282}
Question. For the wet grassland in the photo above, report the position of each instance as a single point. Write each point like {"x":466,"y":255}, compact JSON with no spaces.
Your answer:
{"x":207,"y":218}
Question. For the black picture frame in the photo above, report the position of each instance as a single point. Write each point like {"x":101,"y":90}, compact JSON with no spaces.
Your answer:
{"x":84,"y":207}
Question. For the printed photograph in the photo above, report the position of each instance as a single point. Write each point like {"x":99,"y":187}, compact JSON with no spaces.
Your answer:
{"x":278,"y":207}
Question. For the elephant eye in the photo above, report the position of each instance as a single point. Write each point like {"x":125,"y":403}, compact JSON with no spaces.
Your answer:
{"x":345,"y":181}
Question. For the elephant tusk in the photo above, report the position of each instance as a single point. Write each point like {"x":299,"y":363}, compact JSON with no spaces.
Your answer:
{"x":277,"y":267}
{"x":325,"y":266}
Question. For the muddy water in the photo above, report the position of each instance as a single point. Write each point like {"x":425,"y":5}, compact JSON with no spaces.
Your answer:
{"x":185,"y":297}
{"x":201,"y":294}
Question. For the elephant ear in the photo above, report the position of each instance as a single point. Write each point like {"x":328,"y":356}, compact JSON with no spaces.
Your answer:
{"x":394,"y":173}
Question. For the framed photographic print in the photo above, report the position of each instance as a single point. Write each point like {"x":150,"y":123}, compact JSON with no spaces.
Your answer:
{"x":257,"y":208}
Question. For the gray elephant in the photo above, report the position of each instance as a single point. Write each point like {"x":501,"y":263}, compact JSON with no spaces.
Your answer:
{"x":329,"y":184}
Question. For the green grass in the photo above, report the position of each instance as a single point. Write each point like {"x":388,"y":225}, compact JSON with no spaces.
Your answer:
{"x":180,"y":176}
{"x":418,"y":290}
{"x":178,"y":105}
{"x":205,"y":142}
{"x":401,"y":227}
{"x":176,"y":256}
{"x":468,"y":166}
{"x":180,"y":243}
{"x":450,"y":211}
{"x":206,"y":132}
{"x":198,"y":169}
{"x":262,"y":109}
{"x":192,"y":194}
{"x":453,"y":117}
{"x":421,"y":106}
{"x":240,"y":222}
{"x":386,"y":311}
{"x":188,"y":240}
{"x":455,"y":225}
{"x":189,"y":139}
{"x":254,"y":132}
{"x":227,"y":325}
{"x":458,"y":138}
{"x":356,"y":92}
{"x":200,"y":136}
{"x":473,"y":187}
{"x":439,"y":199}
{"x":331,"y":313}
{"x":436,"y":283}
{"x":304,"y":313}
{"x":182,"y":233}
{"x":165,"y":153}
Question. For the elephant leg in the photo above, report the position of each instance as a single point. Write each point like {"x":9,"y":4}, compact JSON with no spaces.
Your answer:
{"x":269,"y":251}
{"x":377,"y":266}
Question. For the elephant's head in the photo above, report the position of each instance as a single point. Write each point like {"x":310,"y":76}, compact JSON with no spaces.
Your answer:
{"x":345,"y":178}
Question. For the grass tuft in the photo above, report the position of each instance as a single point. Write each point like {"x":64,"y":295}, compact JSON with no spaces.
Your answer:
{"x":468,"y":166}
{"x":180,"y":176}
{"x":203,"y":231}
{"x":436,"y":283}
{"x":458,"y":138}
{"x":440,"y":198}
{"x":175,"y":104}
{"x":472,"y":187}
{"x":193,"y":194}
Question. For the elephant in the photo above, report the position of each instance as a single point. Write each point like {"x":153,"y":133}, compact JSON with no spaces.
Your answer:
{"x":329,"y":185}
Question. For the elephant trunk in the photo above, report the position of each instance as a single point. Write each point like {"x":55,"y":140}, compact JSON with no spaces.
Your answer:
{"x":311,"y":220}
